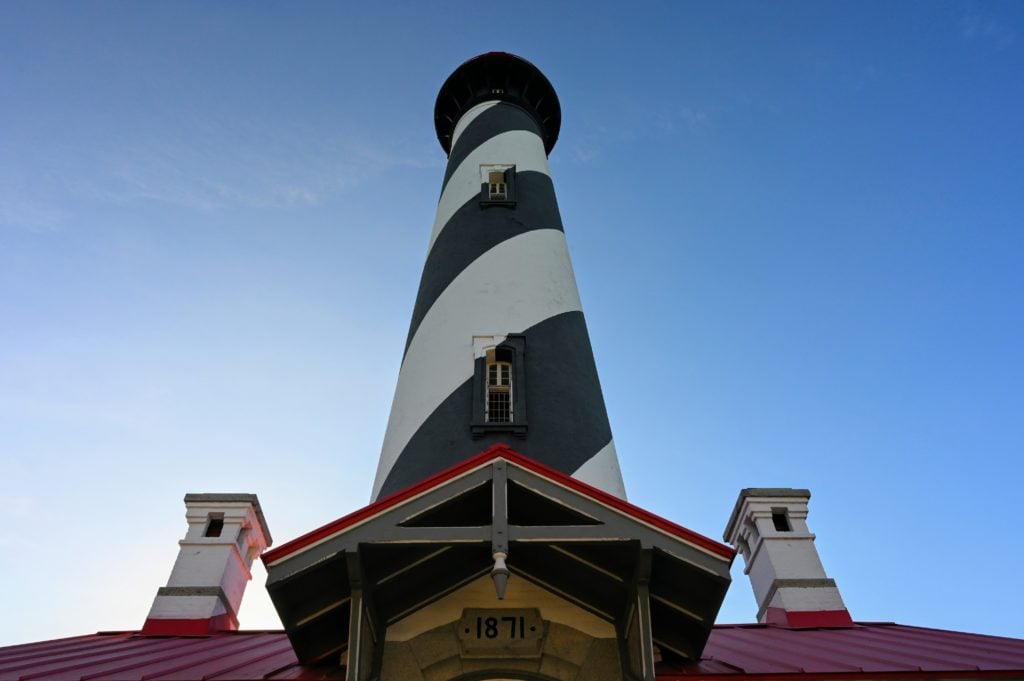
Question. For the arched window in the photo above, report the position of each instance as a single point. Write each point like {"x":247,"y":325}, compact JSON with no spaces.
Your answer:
{"x":498,"y":397}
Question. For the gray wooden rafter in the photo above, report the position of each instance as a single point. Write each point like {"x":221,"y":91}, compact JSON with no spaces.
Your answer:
{"x":386,"y":528}
{"x":642,"y":596}
{"x":499,"y":510}
{"x":366,"y":633}
{"x":433,"y":597}
{"x":439,"y":495}
{"x":615,"y":526}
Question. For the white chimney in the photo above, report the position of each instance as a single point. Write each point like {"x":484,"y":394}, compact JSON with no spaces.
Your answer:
{"x":769,"y":527}
{"x":226,"y":532}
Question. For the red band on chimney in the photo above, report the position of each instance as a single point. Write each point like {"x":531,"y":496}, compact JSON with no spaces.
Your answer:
{"x":808,"y":619}
{"x":189,"y":627}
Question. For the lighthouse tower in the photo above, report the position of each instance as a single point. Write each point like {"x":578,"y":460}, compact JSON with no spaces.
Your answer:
{"x":499,"y":544}
{"x":498,"y":350}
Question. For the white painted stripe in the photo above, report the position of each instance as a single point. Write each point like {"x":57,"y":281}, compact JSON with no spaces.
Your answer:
{"x":519,"y":147}
{"x":468,"y":118}
{"x":602,"y":471}
{"x":519,"y":283}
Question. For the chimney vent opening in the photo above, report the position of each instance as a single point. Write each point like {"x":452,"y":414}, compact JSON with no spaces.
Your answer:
{"x":780,"y":518}
{"x":215,"y":526}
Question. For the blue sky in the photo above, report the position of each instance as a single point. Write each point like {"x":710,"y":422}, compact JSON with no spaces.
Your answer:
{"x":796,"y":228}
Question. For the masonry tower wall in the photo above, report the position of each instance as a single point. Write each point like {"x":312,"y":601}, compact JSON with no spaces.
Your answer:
{"x":498,"y":349}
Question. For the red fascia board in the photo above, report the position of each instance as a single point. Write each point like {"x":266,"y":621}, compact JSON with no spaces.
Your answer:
{"x":376,"y":507}
{"x":473,"y":462}
{"x":622,"y":505}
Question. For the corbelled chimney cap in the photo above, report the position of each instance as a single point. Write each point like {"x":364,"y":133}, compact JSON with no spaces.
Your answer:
{"x":232,"y":497}
{"x":761,"y":492}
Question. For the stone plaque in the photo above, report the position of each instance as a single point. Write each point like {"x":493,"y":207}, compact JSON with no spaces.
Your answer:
{"x":500,"y":632}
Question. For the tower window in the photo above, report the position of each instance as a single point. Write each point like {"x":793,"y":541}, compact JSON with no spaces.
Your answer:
{"x":498,"y":400}
{"x":497,"y":185}
{"x":497,"y":189}
{"x":499,"y":385}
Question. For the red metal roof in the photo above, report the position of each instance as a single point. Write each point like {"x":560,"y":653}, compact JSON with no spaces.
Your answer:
{"x":735,"y":652}
{"x":124,"y":656}
{"x":866,"y":650}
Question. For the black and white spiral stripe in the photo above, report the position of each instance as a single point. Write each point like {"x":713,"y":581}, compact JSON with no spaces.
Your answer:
{"x":497,"y":271}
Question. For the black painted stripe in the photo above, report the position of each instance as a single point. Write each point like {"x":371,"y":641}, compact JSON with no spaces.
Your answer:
{"x":496,"y":120}
{"x":472,"y":231}
{"x":564,"y":394}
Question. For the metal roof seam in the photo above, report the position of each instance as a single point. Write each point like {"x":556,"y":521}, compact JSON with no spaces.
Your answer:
{"x":38,"y":654}
{"x":167,"y":652}
{"x":932,"y":633}
{"x":213,"y":647}
{"x":35,"y":649}
{"x":720,"y":662}
{"x":734,"y":653}
{"x":275,"y":663}
{"x":839,"y":648}
{"x":947,"y":661}
{"x":742,"y":648}
{"x":290,"y":665}
{"x":93,"y":673}
{"x":941,"y":651}
{"x":58,"y":670}
{"x":900,"y":652}
{"x":286,"y":647}
{"x":820,"y":657}
{"x":256,"y":644}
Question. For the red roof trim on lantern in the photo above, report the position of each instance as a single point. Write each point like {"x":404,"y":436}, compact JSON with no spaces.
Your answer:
{"x":475,"y":462}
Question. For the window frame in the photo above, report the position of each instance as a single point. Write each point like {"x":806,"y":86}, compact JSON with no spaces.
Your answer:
{"x":512,"y":349}
{"x":488,"y":197}
{"x":498,"y":381}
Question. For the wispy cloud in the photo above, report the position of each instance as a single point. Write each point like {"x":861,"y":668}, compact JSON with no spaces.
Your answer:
{"x":683,"y":118}
{"x":976,"y":27}
{"x":586,"y":153}
{"x":209,"y":168}
{"x":202,"y":164}
{"x":20,"y":209}
{"x":645,"y":120}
